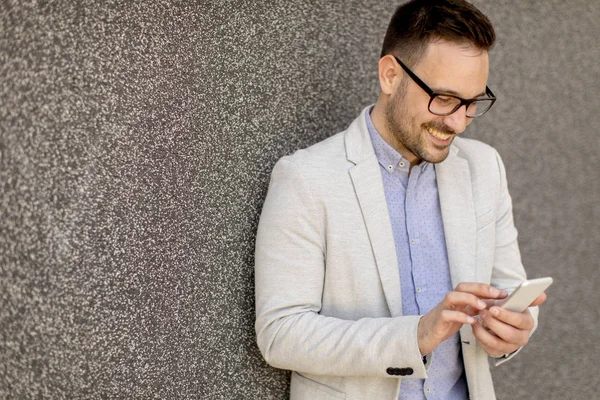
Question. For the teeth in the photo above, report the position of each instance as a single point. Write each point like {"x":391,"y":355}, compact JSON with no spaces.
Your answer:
{"x":438,"y":134}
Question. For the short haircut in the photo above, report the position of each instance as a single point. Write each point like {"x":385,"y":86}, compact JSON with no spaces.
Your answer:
{"x":419,"y":22}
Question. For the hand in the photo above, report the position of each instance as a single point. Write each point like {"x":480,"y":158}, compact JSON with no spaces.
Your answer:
{"x":457,"y":308}
{"x":506,"y":330}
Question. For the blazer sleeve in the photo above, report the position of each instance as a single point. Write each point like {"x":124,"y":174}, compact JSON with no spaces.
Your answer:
{"x":508,"y":271}
{"x":289,"y":278}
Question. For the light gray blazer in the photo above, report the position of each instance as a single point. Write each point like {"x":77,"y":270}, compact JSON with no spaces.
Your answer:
{"x":328,"y":301}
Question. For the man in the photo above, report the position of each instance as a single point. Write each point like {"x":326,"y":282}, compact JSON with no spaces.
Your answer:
{"x":363,"y":236}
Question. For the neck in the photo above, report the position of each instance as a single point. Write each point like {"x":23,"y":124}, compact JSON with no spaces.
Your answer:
{"x":380,"y":122}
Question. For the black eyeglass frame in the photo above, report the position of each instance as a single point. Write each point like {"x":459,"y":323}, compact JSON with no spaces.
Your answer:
{"x":433,"y":94}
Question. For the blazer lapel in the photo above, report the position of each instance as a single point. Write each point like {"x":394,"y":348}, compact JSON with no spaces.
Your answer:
{"x":368,"y":185}
{"x":458,"y":215}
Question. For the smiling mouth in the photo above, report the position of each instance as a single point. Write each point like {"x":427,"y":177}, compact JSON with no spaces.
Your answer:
{"x":436,"y":133}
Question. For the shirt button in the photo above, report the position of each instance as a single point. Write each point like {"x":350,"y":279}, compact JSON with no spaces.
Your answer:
{"x":412,"y":241}
{"x":401,"y":163}
{"x":390,"y":167}
{"x":428,"y":390}
{"x":418,"y":289}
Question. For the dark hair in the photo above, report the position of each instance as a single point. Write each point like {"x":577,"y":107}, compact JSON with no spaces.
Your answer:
{"x":419,"y":22}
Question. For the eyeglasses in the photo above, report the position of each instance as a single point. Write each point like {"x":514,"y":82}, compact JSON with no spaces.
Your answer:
{"x":445,"y":104}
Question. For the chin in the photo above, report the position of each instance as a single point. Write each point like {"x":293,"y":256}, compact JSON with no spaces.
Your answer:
{"x":438,"y":157}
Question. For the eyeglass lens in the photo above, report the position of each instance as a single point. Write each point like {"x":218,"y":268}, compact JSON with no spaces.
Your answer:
{"x":446,"y":105}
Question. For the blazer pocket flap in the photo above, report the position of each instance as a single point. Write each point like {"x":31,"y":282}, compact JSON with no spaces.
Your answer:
{"x":309,"y":389}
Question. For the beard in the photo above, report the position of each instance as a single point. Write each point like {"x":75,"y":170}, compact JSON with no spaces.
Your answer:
{"x":407,"y":133}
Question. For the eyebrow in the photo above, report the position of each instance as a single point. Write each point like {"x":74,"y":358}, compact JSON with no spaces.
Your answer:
{"x":455,"y":93}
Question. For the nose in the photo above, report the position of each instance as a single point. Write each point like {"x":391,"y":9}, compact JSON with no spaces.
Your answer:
{"x":458,"y":120}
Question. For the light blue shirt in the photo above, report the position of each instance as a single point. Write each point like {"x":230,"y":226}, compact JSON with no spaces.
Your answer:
{"x":415,"y":214}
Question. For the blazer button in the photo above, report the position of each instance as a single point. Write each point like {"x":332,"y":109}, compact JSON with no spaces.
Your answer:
{"x":391,"y":371}
{"x":406,"y":371}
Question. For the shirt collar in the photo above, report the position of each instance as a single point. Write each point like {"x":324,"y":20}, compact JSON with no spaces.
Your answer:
{"x":387,"y":156}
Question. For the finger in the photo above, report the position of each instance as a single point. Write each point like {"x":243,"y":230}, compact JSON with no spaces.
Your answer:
{"x":482,"y":290}
{"x":491,"y":343}
{"x":451,"y":316}
{"x":520,"y":320}
{"x":508,"y":333}
{"x":485,"y":339}
{"x":454,"y":300}
{"x":539,"y":300}
{"x":489,"y":302}
{"x":471,"y":311}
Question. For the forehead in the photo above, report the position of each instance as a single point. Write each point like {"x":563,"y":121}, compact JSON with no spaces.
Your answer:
{"x":461,"y":69}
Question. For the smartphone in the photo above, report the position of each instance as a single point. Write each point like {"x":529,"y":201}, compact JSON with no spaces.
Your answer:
{"x":522,"y":296}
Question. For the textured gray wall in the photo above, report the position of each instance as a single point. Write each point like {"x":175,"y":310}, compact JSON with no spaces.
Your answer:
{"x":136,"y":144}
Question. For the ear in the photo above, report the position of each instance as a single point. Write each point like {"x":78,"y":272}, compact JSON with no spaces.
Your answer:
{"x":390,"y":74}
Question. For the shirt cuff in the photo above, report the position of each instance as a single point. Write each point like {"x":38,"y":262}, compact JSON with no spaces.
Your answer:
{"x":427,"y":359}
{"x":505,"y":357}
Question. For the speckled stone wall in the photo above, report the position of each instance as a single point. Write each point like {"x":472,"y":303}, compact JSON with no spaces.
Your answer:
{"x":136,"y":143}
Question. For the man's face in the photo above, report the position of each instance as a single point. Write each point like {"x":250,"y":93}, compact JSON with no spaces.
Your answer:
{"x":447,"y":68}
